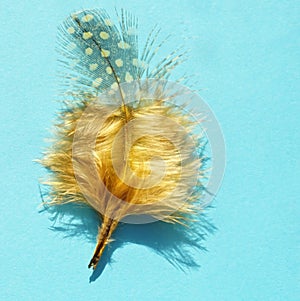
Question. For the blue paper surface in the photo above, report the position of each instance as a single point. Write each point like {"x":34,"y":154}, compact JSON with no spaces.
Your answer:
{"x":244,"y":57}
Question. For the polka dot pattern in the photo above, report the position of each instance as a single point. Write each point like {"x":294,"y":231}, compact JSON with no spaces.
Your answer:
{"x":123,"y":45}
{"x":128,"y":77}
{"x":71,"y":30}
{"x":119,"y":63}
{"x":104,"y":35}
{"x":94,"y":66}
{"x":101,"y":52}
{"x":109,"y":70}
{"x":105,"y":53}
{"x":87,"y":35}
{"x":87,"y":18}
{"x":97,"y":82}
{"x":89,"y":51}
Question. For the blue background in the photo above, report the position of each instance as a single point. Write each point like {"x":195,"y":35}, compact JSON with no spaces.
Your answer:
{"x":245,"y":59}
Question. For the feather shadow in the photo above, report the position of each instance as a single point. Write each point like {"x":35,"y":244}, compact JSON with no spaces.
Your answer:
{"x":175,"y":243}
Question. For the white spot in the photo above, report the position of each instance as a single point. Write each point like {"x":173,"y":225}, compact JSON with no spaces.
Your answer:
{"x":87,"y":18}
{"x":108,"y":70}
{"x":104,"y":35}
{"x":108,"y":22}
{"x":114,"y":86}
{"x":119,"y":62}
{"x":87,"y":35}
{"x":128,"y":77}
{"x":135,"y":62}
{"x":74,"y":16}
{"x":97,"y":82}
{"x":71,"y":30}
{"x":89,"y":51}
{"x":105,"y":53}
{"x":123,"y":45}
{"x":93,"y":67}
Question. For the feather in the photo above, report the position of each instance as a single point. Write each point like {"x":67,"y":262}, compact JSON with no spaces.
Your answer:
{"x":115,"y":155}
